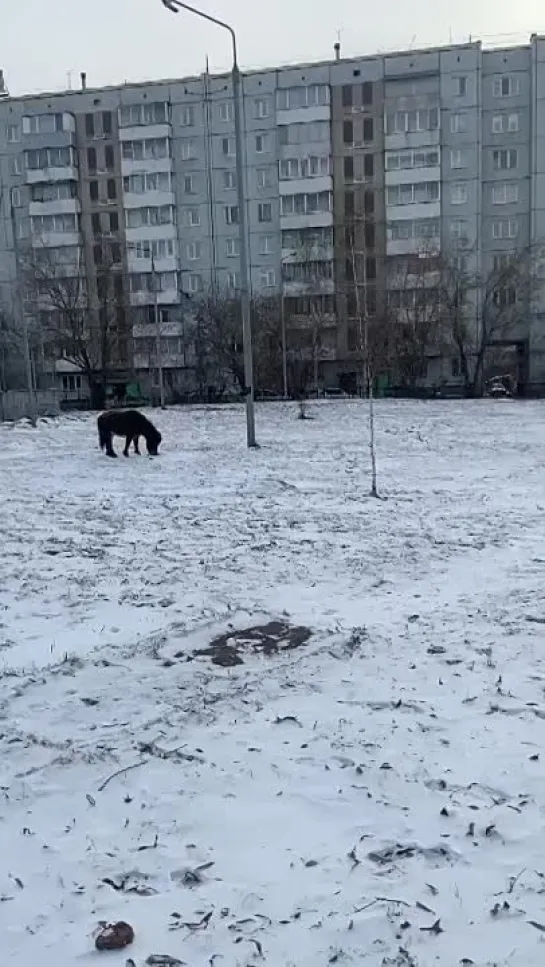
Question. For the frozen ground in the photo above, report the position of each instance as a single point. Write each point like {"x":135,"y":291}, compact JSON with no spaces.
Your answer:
{"x":328,"y":804}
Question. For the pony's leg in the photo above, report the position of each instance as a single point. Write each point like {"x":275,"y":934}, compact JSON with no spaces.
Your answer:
{"x":135,"y":441}
{"x":110,"y":452}
{"x":128,"y":441}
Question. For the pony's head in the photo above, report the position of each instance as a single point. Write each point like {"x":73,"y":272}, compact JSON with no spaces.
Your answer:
{"x":153,"y":440}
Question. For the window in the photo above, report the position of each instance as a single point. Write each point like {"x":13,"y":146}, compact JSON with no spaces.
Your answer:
{"x":16,"y":166}
{"x":148,"y":149}
{"x":194,"y":251}
{"x":106,"y":122}
{"x":228,"y":147}
{"x":419,"y":228}
{"x":43,"y":224}
{"x":347,"y":95}
{"x":264,"y":212}
{"x":266,"y":244}
{"x":505,"y":193}
{"x":16,"y":197}
{"x":348,"y":168}
{"x":188,"y":185}
{"x":512,"y":122}
{"x":368,"y":165}
{"x":229,"y":180}
{"x":264,"y":177}
{"x":147,"y":181}
{"x":261,"y":143}
{"x":505,"y":122}
{"x":187,"y":149}
{"x":348,"y":132}
{"x":458,"y":158}
{"x":13,"y":132}
{"x":368,"y":129}
{"x":409,"y":194}
{"x":458,"y":193}
{"x":109,"y":157}
{"x":367,"y":93}
{"x":306,"y":204}
{"x":231,"y":214}
{"x":153,"y":215}
{"x":113,"y":222}
{"x":93,"y":190}
{"x":368,"y":202}
{"x":349,"y":207}
{"x":233,"y":280}
{"x":95,"y":222}
{"x":194,"y":282}
{"x":408,"y":122}
{"x":458,"y":228}
{"x":506,"y":86}
{"x":111,"y":189}
{"x":460,"y":85}
{"x":90,"y":125}
{"x":226,"y":111}
{"x":505,"y":228}
{"x":92,"y":159}
{"x":290,"y":98}
{"x":505,"y":158}
{"x":370,"y":267}
{"x":267,"y":278}
{"x":398,"y":160}
{"x":261,"y":107}
{"x":137,"y":114}
{"x":458,"y":123}
{"x":233,"y":247}
{"x":192,"y":217}
{"x":304,"y":132}
{"x":187,"y":117}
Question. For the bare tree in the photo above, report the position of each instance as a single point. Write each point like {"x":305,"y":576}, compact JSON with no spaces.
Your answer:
{"x":364,"y":348}
{"x":79,"y":325}
{"x":483,"y":311}
{"x":414,"y":312}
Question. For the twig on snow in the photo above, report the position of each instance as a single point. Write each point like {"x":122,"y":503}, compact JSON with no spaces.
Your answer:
{"x":120,"y":772}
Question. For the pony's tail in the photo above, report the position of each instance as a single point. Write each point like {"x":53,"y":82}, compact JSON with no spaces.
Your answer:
{"x":103,"y":437}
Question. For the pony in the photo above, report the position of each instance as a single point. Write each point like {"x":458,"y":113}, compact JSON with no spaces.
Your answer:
{"x":128,"y":423}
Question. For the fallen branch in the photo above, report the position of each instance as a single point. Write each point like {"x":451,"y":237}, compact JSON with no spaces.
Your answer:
{"x":120,"y":772}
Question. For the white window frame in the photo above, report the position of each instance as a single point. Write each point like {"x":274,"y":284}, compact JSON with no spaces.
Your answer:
{"x":187,"y":149}
{"x":228,"y":213}
{"x":267,"y":278}
{"x":228,"y":147}
{"x":264,"y":177}
{"x":226,"y":111}
{"x":266,"y":245}
{"x":261,"y":108}
{"x":501,"y":192}
{"x":458,"y":193}
{"x":189,"y":180}
{"x":232,"y":248}
{"x":458,"y":158}
{"x":458,"y":228}
{"x":513,"y":122}
{"x":13,"y":133}
{"x":261,"y":208}
{"x":513,"y":83}
{"x":461,"y":85}
{"x":187,"y":117}
{"x":193,"y":251}
{"x":262,"y":144}
{"x":458,"y":123}
{"x":510,"y":155}
{"x":194,"y":282}
{"x":193,"y":217}
{"x":229,"y":175}
{"x":233,"y":280}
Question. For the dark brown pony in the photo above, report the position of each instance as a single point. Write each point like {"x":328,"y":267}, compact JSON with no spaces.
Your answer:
{"x":128,"y":423}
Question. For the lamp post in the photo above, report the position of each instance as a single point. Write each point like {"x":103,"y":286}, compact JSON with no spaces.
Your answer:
{"x":174,"y":6}
{"x":32,"y":408}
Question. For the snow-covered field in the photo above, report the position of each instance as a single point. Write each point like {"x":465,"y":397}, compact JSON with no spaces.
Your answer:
{"x":375,"y":795}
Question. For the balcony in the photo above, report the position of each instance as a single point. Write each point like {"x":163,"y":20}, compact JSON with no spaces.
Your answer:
{"x":131,"y":167}
{"x":303,"y":115}
{"x":61,"y":206}
{"x":144,"y":132}
{"x":307,"y":220}
{"x":56,"y":240}
{"x":147,"y":199}
{"x":310,"y":288}
{"x":150,"y":233}
{"x":166,"y":297}
{"x":304,"y":186}
{"x":66,"y":173}
{"x":135,"y":265}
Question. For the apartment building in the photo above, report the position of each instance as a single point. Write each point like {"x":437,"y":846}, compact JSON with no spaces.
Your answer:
{"x":351,"y":168}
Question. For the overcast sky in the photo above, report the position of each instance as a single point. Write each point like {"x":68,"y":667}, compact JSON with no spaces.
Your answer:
{"x":118,"y":40}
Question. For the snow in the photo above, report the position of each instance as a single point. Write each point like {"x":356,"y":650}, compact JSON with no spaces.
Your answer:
{"x":412,"y":720}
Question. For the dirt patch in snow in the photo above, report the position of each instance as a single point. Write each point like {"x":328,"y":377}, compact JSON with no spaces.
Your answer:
{"x":269,"y":639}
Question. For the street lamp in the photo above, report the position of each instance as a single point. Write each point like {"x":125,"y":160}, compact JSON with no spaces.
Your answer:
{"x":174,"y":6}
{"x":32,"y":408}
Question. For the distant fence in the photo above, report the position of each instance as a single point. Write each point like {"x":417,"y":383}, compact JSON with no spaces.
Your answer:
{"x":14,"y":404}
